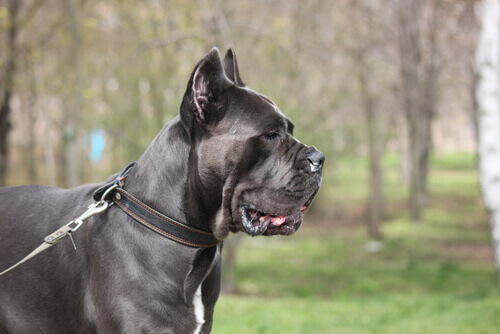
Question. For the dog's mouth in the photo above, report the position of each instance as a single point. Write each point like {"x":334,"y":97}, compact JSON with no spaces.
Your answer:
{"x":257,"y":222}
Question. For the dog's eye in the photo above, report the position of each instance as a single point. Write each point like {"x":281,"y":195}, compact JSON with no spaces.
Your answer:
{"x":271,"y":136}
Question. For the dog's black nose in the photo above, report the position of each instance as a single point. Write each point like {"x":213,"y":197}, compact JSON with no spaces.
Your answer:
{"x":316,"y":159}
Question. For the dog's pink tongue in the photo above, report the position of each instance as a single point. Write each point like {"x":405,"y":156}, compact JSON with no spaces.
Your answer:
{"x":264,"y":218}
{"x":275,"y":220}
{"x":278,"y":220}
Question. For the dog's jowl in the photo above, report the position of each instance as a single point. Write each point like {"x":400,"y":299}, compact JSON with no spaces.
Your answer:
{"x":151,"y":262}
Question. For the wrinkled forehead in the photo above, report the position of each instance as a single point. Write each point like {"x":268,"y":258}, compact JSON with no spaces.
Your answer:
{"x":256,"y":110}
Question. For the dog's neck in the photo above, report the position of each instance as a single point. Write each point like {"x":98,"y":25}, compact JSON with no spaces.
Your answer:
{"x":168,"y":185}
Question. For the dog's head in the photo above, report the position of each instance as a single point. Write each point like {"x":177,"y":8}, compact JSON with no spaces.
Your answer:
{"x":243,"y":147}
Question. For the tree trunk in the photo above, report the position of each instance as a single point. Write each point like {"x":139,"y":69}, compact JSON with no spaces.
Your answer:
{"x":4,"y":133}
{"x":419,"y":139}
{"x":488,"y":103}
{"x":409,"y":43}
{"x":362,"y":23}
{"x":31,"y":158}
{"x":31,"y":151}
{"x":70,"y":154}
{"x":404,"y":151}
{"x":50,"y":161}
{"x":231,"y":245}
{"x":419,"y":89}
{"x":7,"y":86}
{"x":375,"y":204}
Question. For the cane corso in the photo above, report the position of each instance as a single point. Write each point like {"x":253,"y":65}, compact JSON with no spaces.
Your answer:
{"x":229,"y":162}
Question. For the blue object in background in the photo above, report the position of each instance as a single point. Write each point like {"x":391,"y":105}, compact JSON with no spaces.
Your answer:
{"x":97,"y":145}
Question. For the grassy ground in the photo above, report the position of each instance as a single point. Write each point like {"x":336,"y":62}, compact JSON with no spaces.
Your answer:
{"x":382,"y":314}
{"x":437,"y":277}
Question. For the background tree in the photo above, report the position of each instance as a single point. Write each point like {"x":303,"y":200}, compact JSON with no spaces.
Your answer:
{"x":7,"y":83}
{"x":367,"y":47}
{"x":419,"y":74}
{"x":488,"y":103}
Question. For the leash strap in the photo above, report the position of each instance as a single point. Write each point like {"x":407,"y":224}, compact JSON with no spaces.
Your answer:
{"x":37,"y":251}
{"x":65,"y":230}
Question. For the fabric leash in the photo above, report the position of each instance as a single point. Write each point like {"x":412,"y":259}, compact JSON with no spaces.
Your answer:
{"x":67,"y":229}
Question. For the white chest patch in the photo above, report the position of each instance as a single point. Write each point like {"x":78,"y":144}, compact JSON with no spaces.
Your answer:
{"x":199,"y":310}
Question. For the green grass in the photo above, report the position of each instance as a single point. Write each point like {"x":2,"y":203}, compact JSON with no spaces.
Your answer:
{"x":436,"y":277}
{"x":337,"y":266}
{"x":382,"y":314}
{"x":464,"y":161}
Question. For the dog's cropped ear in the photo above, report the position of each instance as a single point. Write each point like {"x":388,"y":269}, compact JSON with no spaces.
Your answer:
{"x":204,"y":90}
{"x":231,"y":68}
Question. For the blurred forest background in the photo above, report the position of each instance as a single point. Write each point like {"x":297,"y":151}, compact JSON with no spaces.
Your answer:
{"x":398,"y":237}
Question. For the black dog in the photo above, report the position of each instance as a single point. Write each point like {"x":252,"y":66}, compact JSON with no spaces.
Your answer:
{"x":229,"y":162}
